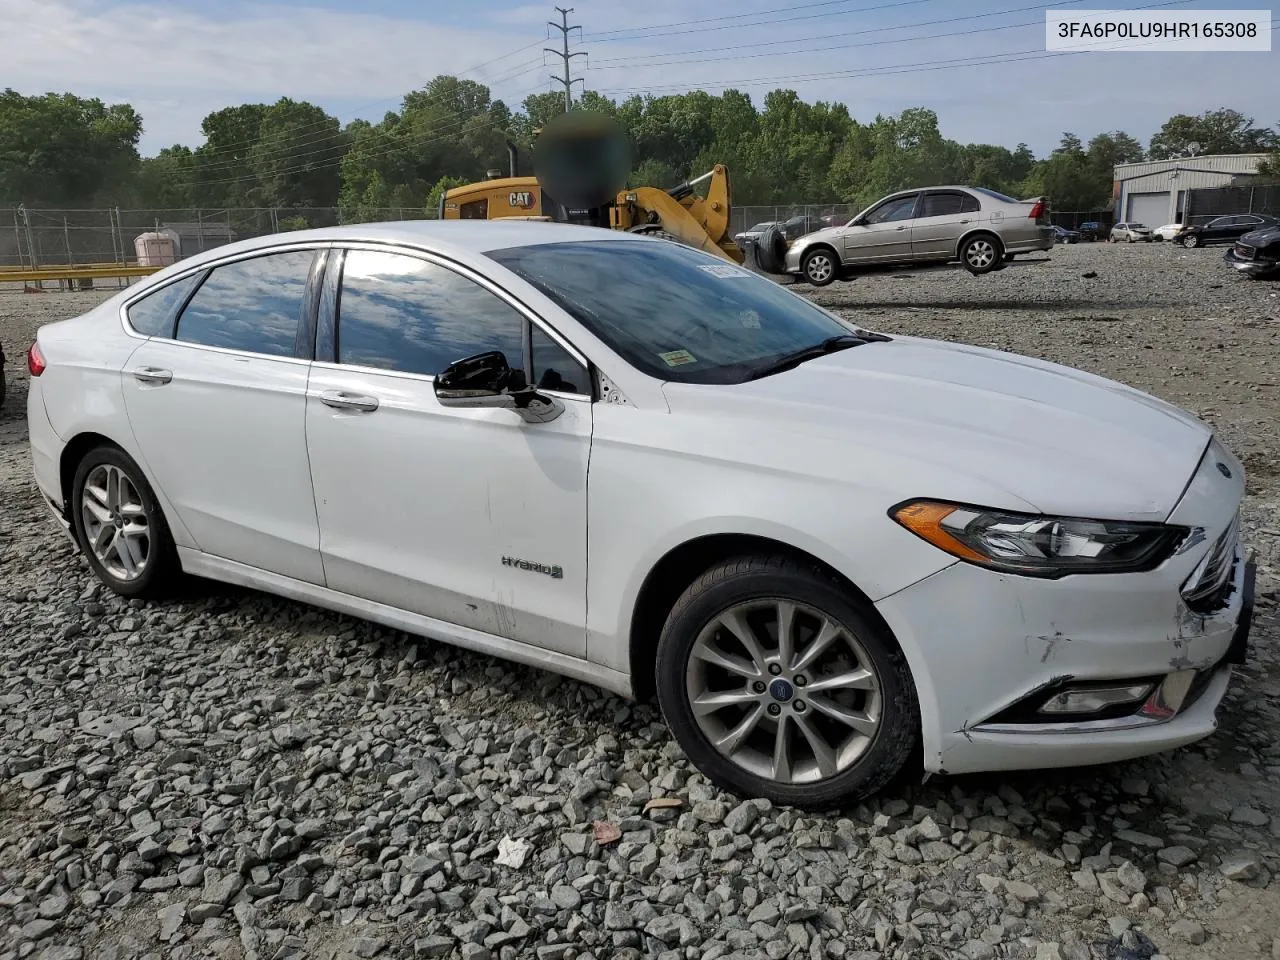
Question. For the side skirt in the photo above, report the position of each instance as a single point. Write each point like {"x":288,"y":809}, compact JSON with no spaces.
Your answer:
{"x":228,"y":571}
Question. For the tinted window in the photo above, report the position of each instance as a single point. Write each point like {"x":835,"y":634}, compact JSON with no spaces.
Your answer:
{"x":475,"y":210}
{"x":555,"y":369}
{"x":947,"y":204}
{"x":899,"y":209}
{"x":153,"y":314}
{"x":674,"y":312}
{"x":400,"y":313}
{"x":251,"y":305}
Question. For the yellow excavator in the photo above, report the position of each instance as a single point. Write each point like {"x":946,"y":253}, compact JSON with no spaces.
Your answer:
{"x":581,"y":163}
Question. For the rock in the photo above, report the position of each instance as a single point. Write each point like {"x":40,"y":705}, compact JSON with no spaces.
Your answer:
{"x":222,"y":890}
{"x":1131,"y":877}
{"x":710,"y":811}
{"x":171,"y":918}
{"x":435,"y":946}
{"x":1249,"y":816}
{"x":1138,"y":839}
{"x":742,"y":817}
{"x":618,"y":917}
{"x":565,"y":897}
{"x":1050,"y":950}
{"x":1178,"y":856}
{"x":1188,"y":930}
{"x":37,"y":929}
{"x":54,"y":908}
{"x":365,"y":947}
{"x":1241,"y":866}
{"x":673,"y":930}
{"x":144,"y":738}
{"x":989,"y":883}
{"x":1021,"y":890}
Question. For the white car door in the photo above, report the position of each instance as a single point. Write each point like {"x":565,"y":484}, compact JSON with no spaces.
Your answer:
{"x":470,"y":516}
{"x":218,"y":408}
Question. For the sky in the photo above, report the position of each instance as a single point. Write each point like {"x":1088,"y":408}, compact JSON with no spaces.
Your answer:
{"x":180,"y":60}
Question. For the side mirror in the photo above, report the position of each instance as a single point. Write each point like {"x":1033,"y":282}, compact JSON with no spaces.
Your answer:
{"x":487,"y":380}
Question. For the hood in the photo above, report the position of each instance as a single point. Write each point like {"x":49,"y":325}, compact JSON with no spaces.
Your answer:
{"x":968,"y":419}
{"x":826,"y":233}
{"x":1262,"y":237}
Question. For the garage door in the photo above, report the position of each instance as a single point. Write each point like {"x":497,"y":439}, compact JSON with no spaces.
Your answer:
{"x":1149,"y":208}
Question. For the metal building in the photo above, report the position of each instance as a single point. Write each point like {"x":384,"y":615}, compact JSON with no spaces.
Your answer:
{"x":1154,"y":191}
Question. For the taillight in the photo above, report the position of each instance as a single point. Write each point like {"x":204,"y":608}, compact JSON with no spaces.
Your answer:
{"x":35,"y":360}
{"x":1037,"y":211}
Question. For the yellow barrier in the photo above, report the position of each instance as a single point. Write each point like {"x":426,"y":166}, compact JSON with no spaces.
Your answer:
{"x":90,"y":271}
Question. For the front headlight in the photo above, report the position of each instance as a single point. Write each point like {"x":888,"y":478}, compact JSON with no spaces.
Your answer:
{"x":1038,"y":546}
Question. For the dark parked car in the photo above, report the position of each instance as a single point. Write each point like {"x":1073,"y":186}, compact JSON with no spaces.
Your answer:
{"x":1092,"y":231}
{"x":1225,"y":229}
{"x":1063,"y":235}
{"x":798,"y":226}
{"x":2,"y":384}
{"x":1257,"y":254}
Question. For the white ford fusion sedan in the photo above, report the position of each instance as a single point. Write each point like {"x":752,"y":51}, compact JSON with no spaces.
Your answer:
{"x":829,"y":552}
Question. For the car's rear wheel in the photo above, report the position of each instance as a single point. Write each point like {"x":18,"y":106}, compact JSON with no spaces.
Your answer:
{"x":119,"y":525}
{"x":820,"y":267}
{"x":981,"y":253}
{"x":780,"y":684}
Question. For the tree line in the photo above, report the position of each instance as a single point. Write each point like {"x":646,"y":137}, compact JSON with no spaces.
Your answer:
{"x":62,"y":150}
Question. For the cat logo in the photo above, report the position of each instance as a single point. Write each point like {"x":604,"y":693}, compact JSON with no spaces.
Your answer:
{"x":523,"y":199}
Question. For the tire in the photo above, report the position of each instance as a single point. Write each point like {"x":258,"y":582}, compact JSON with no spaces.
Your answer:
{"x":750,"y":589}
{"x":820,"y":266}
{"x":1191,"y":242}
{"x":981,"y":253}
{"x":153,"y":551}
{"x":3,"y":387}
{"x":771,"y":251}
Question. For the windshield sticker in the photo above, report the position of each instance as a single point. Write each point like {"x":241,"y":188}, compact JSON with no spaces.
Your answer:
{"x":724,"y":271}
{"x":750,"y":319}
{"x":677,"y":358}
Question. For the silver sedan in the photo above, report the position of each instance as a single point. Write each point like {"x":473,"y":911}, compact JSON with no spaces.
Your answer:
{"x":978,"y":227}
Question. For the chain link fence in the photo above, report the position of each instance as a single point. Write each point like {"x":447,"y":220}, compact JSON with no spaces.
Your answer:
{"x":818,"y":214}
{"x":31,"y":238}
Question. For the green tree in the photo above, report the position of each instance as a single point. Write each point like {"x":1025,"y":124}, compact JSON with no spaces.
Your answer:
{"x":62,"y":149}
{"x":295,"y":159}
{"x":1212,"y":132}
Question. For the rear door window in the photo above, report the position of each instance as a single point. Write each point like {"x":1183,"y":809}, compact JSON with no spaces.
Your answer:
{"x":252,"y":305}
{"x":947,"y":204}
{"x":153,"y":315}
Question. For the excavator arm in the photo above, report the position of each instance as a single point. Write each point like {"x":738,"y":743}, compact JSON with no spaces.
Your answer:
{"x":701,"y":222}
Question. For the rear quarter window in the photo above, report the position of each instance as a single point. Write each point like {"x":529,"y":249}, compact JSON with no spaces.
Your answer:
{"x":152,"y":316}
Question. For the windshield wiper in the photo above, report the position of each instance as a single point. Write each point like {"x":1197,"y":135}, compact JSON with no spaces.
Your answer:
{"x":789,"y":361}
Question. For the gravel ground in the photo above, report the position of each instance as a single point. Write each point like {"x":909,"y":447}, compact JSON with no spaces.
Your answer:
{"x":230,"y":775}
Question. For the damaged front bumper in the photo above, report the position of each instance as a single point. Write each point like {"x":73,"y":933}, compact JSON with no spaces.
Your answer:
{"x":995,"y":656}
{"x":1257,"y":264}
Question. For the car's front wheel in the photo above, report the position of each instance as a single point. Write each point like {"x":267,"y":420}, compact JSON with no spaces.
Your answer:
{"x":780,"y":684}
{"x":1191,"y":241}
{"x":119,"y":525}
{"x":981,"y":254}
{"x":820,"y":267}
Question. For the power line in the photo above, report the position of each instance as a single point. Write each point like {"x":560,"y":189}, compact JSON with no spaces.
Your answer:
{"x":673,"y":57}
{"x":564,"y":54}
{"x":609,"y":36}
{"x":925,"y":67}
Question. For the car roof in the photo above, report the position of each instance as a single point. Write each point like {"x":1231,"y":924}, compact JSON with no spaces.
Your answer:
{"x":444,"y":236}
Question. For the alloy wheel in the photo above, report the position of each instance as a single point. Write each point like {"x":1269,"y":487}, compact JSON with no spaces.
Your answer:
{"x":818,"y":268}
{"x":784,"y":691}
{"x":981,"y":253}
{"x":115,"y":522}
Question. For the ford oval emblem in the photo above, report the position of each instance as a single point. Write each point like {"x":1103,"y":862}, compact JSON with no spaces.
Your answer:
{"x":1224,"y":470}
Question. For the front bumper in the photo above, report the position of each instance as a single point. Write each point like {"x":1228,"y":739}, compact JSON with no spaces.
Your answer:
{"x":983,"y":645}
{"x":1257,"y":267}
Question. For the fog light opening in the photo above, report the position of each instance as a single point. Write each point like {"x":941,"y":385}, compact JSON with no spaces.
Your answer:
{"x":1093,"y":700}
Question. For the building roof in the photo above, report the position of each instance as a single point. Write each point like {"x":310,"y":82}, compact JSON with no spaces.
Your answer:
{"x":1215,"y":163}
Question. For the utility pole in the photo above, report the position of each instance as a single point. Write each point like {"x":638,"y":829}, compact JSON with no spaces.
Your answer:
{"x":564,"y":54}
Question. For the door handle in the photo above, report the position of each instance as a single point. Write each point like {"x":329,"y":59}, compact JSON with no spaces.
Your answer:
{"x":348,"y":401}
{"x":966,"y":220}
{"x":152,"y":375}
{"x":901,"y":228}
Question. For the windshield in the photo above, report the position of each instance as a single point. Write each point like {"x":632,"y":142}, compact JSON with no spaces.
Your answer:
{"x":674,"y":312}
{"x":761,"y":227}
